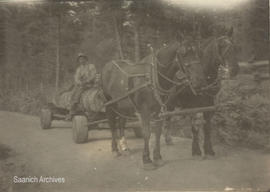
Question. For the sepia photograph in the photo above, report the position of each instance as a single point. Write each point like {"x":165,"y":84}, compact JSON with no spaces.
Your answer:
{"x":134,"y":95}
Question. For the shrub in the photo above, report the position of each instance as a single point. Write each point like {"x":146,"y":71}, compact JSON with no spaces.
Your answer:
{"x":29,"y":102}
{"x":245,"y":119}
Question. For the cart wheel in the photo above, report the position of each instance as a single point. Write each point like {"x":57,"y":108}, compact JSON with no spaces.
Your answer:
{"x":45,"y":118}
{"x":138,"y":132}
{"x":79,"y":129}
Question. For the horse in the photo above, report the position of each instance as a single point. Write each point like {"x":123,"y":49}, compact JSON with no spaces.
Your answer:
{"x":214,"y":52}
{"x":152,"y":81}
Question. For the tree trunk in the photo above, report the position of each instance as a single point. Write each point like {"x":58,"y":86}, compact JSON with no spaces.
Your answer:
{"x":118,"y":39}
{"x":269,"y":38}
{"x":2,"y":51}
{"x":57,"y":70}
{"x":136,"y":44}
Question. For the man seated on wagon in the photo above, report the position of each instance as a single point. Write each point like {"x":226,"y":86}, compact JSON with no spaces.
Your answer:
{"x":85,"y":78}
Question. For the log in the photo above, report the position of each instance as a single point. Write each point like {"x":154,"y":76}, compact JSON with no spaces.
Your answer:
{"x":189,"y":111}
{"x":254,"y":65}
{"x":90,"y":100}
{"x":261,"y":77}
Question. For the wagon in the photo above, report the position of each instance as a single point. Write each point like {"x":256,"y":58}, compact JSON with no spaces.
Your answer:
{"x":81,"y":123}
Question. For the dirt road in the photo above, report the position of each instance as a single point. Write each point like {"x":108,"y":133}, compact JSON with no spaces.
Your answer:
{"x":91,"y":167}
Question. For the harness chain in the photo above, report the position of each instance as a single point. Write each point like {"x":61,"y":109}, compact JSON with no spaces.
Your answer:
{"x":158,"y":91}
{"x":155,"y":83}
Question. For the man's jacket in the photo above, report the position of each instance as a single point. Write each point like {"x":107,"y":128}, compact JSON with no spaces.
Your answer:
{"x":85,"y":74}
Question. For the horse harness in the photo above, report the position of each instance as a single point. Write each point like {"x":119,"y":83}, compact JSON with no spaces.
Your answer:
{"x":161,"y":95}
{"x":153,"y":82}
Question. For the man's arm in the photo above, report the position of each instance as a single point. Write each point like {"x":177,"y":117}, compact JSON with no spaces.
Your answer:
{"x":77,"y":76}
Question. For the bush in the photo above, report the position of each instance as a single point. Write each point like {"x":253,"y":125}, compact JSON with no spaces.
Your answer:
{"x":21,"y":101}
{"x":245,"y":120}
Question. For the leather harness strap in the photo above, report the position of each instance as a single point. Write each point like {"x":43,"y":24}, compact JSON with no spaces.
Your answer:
{"x":158,"y":91}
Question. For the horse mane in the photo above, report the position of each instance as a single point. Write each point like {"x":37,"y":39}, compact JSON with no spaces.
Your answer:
{"x":208,"y":55}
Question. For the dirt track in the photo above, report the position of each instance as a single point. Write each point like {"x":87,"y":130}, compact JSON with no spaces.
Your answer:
{"x":91,"y":166}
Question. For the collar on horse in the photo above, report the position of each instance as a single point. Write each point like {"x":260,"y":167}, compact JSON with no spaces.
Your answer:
{"x":160,"y":92}
{"x":156,"y":73}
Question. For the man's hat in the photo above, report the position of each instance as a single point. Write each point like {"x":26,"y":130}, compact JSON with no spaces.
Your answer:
{"x":81,"y":55}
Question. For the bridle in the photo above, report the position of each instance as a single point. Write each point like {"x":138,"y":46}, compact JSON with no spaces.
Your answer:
{"x":185,"y":82}
{"x":176,"y":61}
{"x":221,"y":55}
{"x":221,"y":60}
{"x":181,"y":66}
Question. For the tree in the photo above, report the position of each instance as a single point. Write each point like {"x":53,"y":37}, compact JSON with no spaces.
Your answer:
{"x":2,"y":50}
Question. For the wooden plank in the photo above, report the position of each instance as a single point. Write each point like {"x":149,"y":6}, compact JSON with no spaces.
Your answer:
{"x":97,"y":122}
{"x":188,"y":111}
{"x":105,"y":125}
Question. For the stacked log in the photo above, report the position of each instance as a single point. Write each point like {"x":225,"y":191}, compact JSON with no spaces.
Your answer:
{"x":91,"y":100}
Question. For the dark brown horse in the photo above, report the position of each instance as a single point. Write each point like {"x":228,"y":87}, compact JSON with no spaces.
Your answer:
{"x":154,"y":75}
{"x":213,"y":54}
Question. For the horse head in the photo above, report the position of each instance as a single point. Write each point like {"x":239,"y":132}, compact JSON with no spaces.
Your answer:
{"x":167,"y":63}
{"x":189,"y":63}
{"x":227,"y":54}
{"x":217,"y":52}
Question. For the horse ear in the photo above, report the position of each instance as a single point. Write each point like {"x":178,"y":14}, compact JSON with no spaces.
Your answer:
{"x":230,"y":32}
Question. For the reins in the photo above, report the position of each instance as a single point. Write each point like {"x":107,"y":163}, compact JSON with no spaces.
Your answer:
{"x":158,"y":91}
{"x":153,"y":82}
{"x":160,"y":94}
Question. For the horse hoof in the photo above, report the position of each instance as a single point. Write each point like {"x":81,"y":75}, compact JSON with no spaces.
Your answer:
{"x":159,"y":163}
{"x":116,"y":154}
{"x":149,"y":166}
{"x":123,"y":145}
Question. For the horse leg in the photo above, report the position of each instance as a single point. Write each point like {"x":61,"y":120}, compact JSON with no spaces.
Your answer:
{"x":156,"y":154}
{"x":144,"y":118}
{"x":208,"y":149}
{"x":167,"y":131}
{"x":122,"y":142}
{"x":112,"y":123}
